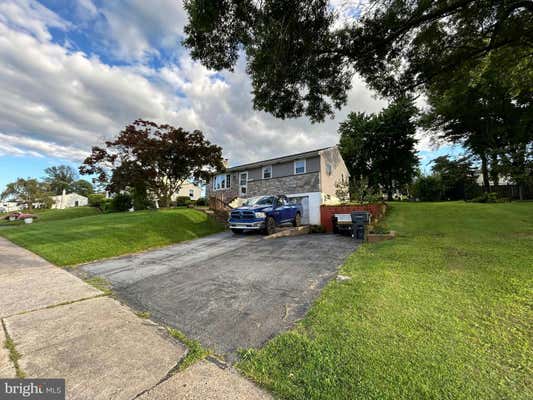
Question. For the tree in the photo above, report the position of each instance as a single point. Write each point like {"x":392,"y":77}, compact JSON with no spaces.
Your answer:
{"x":381,"y":148}
{"x":301,"y":55}
{"x":428,"y":188}
{"x":155,"y":158}
{"x":457,"y":177}
{"x":60,"y":178}
{"x":486,"y":110}
{"x":27,"y":191}
{"x":83,"y":187}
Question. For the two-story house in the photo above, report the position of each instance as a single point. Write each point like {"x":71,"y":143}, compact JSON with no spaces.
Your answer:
{"x":310,"y":178}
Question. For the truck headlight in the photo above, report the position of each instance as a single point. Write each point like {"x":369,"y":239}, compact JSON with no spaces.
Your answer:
{"x":260,"y":215}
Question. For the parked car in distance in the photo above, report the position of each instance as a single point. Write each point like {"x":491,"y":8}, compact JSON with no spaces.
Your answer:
{"x":265,"y":213}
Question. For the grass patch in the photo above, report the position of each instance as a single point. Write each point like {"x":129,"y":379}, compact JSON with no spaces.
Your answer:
{"x":100,"y":283}
{"x":442,"y":312}
{"x":196,"y":351}
{"x":53,"y":215}
{"x":78,"y":240}
{"x":143,"y":314}
{"x":14,"y":355}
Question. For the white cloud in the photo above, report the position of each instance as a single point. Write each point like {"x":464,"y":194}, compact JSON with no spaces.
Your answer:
{"x":23,"y":146}
{"x":54,"y":101}
{"x":31,"y":17}
{"x":136,"y":29}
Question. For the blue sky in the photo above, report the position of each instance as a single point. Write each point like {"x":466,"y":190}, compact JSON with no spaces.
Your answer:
{"x":74,"y":72}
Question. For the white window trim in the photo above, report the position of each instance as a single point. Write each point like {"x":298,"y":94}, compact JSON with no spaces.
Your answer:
{"x":305,"y":166}
{"x":240,"y":185}
{"x":225,"y":182}
{"x":263,"y":171}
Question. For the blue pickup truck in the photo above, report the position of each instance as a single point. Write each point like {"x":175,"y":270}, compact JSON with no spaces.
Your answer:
{"x":265,"y":213}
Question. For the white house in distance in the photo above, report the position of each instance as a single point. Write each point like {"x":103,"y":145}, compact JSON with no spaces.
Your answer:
{"x":68,"y":200}
{"x":188,"y":189}
{"x":9,"y":206}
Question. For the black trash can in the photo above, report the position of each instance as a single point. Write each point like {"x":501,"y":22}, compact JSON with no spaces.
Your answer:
{"x":360,"y":220}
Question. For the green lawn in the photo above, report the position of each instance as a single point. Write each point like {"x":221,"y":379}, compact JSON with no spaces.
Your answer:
{"x":81,"y":239}
{"x":442,"y":312}
{"x":53,"y":215}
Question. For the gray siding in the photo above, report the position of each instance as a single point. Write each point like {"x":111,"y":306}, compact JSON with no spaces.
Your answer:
{"x":283,"y":180}
{"x":291,"y":184}
{"x":285,"y":169}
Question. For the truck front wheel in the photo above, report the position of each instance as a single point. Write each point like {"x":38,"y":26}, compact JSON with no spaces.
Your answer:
{"x":297,"y":219}
{"x":270,"y":226}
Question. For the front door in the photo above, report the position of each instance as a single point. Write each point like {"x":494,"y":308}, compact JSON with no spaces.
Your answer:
{"x":243,"y":184}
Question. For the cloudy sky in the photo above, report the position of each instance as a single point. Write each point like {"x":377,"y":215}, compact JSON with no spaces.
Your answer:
{"x":74,"y":72}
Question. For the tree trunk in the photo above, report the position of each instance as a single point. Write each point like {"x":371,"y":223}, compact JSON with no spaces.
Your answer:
{"x":521,"y":191}
{"x":485,"y":172}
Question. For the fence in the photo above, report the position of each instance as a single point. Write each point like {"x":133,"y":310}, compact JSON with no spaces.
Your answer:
{"x":377,"y":210}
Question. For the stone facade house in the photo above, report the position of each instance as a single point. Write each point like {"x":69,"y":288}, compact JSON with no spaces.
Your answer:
{"x":310,"y":178}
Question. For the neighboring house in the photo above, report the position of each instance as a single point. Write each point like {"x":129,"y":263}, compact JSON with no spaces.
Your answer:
{"x":10,"y":206}
{"x":69,"y":200}
{"x":190,"y":190}
{"x":310,"y":178}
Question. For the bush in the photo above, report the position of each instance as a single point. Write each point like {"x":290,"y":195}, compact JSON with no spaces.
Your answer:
{"x":141,"y":201}
{"x":428,"y":188}
{"x":380,"y":228}
{"x":486,"y":198}
{"x":202,"y":201}
{"x":182,"y":201}
{"x":96,"y":200}
{"x":121,"y":202}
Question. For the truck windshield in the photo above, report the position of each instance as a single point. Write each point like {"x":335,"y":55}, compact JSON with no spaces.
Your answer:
{"x":260,"y":201}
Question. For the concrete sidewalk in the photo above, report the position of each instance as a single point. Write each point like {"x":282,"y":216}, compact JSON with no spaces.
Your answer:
{"x":64,"y":328}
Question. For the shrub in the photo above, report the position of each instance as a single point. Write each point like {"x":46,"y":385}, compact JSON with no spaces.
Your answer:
{"x":202,"y":201}
{"x":182,"y":201}
{"x":380,"y":228}
{"x":96,"y":200}
{"x":428,"y":188}
{"x":121,"y":202}
{"x":486,"y":198}
{"x":140,"y":200}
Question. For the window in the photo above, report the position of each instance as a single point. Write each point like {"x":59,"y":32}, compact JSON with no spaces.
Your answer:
{"x":191,"y":192}
{"x":222,"y":181}
{"x":267,"y":172}
{"x":329,"y":169}
{"x":299,"y":167}
{"x":243,"y":178}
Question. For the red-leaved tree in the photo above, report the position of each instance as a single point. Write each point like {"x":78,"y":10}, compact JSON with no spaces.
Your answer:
{"x":153,"y":158}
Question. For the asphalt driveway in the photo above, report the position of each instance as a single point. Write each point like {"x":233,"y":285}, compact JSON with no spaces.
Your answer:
{"x":229,"y":292}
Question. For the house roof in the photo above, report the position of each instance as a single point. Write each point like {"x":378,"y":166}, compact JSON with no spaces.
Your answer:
{"x":278,"y":160}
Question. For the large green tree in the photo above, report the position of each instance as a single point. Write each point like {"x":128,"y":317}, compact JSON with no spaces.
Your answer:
{"x":488,"y":110}
{"x":27,"y":191}
{"x":457,"y":177}
{"x":155,"y":158}
{"x":60,"y":178}
{"x":83,"y":187}
{"x":301,"y":55}
{"x":381,"y":148}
